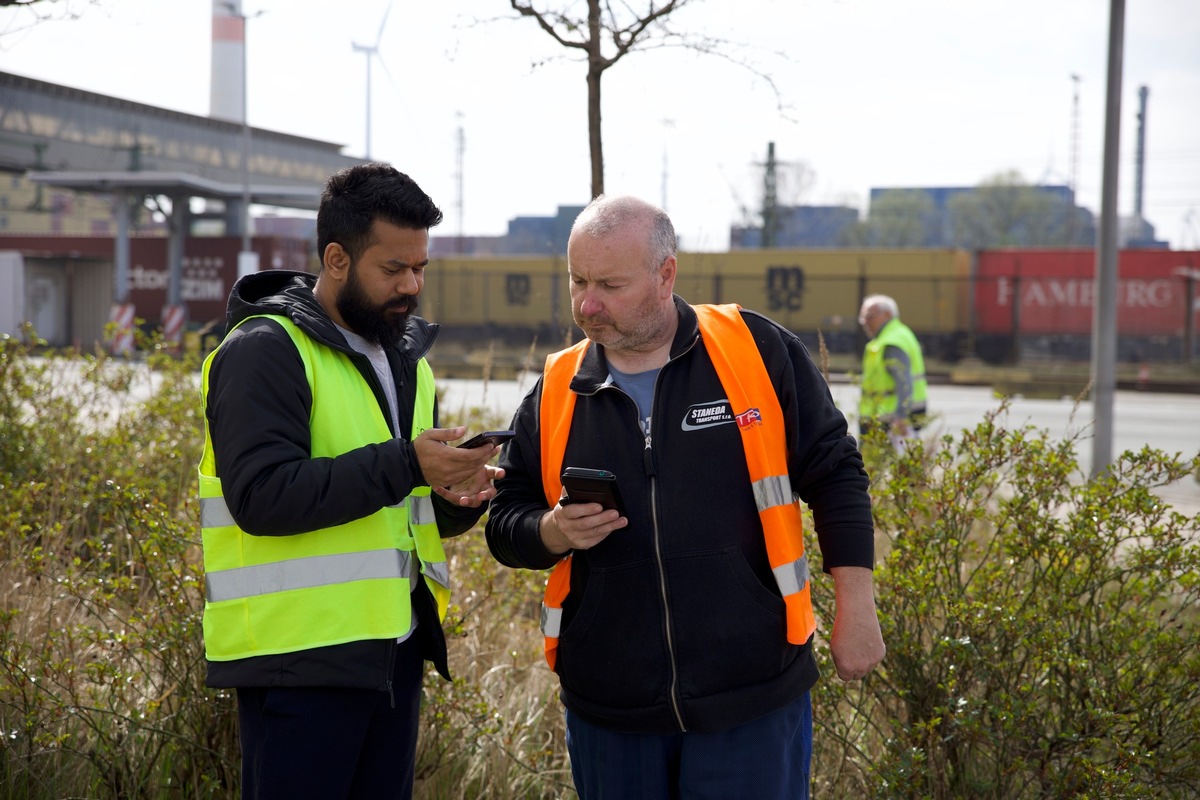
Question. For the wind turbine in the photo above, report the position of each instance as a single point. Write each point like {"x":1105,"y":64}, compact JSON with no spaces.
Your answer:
{"x":372,"y":51}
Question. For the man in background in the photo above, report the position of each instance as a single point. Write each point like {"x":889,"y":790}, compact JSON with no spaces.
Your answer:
{"x":893,"y":372}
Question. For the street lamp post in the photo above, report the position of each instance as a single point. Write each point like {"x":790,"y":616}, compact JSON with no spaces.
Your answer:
{"x":247,"y":258}
{"x":245,"y":145}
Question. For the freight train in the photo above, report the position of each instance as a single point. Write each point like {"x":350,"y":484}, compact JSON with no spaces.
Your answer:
{"x":996,"y":305}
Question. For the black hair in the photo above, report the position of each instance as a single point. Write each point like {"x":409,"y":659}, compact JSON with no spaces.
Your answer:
{"x":357,"y":196}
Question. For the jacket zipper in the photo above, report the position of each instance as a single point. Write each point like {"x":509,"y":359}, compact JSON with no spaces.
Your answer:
{"x":672,"y":661}
{"x":648,"y":461}
{"x":662,"y":591}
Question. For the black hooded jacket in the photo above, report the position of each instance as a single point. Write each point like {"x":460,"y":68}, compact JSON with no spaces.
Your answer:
{"x":675,"y":623}
{"x":258,"y":417}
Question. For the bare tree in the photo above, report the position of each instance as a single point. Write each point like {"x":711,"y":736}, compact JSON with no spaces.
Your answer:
{"x":27,"y":13}
{"x":42,"y":3}
{"x":610,"y":31}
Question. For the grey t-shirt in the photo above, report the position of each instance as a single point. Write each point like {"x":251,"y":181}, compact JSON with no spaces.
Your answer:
{"x":384,"y":372}
{"x":382,"y":369}
{"x":639,"y":386}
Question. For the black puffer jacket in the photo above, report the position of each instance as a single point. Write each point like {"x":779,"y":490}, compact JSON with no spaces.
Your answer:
{"x":258,"y":418}
{"x":675,"y":622}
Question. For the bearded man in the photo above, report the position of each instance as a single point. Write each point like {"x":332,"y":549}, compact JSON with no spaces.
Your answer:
{"x":326,"y":488}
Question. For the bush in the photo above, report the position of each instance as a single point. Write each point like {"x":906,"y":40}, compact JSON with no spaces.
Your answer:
{"x":101,"y":662}
{"x":101,"y":656}
{"x":1041,"y":630}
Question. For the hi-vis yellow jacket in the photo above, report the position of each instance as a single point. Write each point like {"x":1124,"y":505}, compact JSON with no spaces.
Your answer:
{"x":879,"y":398}
{"x":280,"y":594}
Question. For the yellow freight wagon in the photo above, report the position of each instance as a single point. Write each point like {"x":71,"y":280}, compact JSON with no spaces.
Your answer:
{"x":515,"y":300}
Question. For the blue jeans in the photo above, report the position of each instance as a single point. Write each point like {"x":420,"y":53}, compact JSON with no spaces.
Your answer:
{"x":767,"y":759}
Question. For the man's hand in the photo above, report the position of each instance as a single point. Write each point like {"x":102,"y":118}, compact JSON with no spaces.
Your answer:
{"x":457,"y":474}
{"x":856,"y":642}
{"x":578,"y":526}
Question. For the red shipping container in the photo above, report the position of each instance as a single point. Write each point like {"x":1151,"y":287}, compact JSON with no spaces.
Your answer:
{"x":1053,"y":291}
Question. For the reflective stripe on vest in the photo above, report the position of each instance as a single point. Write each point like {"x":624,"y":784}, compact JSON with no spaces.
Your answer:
{"x":755,"y":405}
{"x":302,"y":573}
{"x":351,"y":582}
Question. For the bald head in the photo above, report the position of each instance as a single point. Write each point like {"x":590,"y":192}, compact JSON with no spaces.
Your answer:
{"x":624,"y":215}
{"x":621,"y":265}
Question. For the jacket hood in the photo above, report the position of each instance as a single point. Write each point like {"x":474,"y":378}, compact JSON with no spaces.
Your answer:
{"x":278,"y":291}
{"x":288,"y":293}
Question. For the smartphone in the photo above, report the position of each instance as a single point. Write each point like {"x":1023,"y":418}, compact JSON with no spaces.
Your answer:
{"x":488,"y":437}
{"x":592,"y":486}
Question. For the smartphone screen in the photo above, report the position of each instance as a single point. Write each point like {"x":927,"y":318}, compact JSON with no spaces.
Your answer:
{"x":488,"y":437}
{"x":592,"y":486}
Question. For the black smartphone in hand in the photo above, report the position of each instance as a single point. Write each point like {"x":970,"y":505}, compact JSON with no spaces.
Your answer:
{"x":488,"y":437}
{"x":592,"y":486}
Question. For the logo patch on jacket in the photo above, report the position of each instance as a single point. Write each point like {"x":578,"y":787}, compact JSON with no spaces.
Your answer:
{"x":706,"y":415}
{"x":749,"y":418}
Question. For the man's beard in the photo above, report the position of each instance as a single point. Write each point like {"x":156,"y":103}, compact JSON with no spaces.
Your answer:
{"x":376,"y":324}
{"x":643,"y":331}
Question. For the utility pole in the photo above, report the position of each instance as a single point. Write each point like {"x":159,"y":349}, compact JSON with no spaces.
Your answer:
{"x":247,"y":258}
{"x":245,"y":148}
{"x":462,"y":146}
{"x":667,"y":124}
{"x":1104,"y":316}
{"x":770,"y":212}
{"x":1073,"y":214}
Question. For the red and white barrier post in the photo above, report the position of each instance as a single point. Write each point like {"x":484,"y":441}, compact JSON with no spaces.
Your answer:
{"x":173,"y":317}
{"x":121,"y":318}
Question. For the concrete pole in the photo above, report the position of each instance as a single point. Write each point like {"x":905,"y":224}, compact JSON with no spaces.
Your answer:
{"x":247,"y":258}
{"x":1104,"y":317}
{"x":177,"y":227}
{"x":121,"y":315}
{"x":121,"y":250}
{"x":245,"y":143}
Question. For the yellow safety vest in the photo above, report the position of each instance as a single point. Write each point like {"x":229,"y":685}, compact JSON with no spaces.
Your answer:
{"x":266,"y":595}
{"x":755,"y":407}
{"x":878,"y":397}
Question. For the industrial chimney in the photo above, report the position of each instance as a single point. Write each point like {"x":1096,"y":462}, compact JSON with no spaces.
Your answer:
{"x":228,"y":49}
{"x":1140,"y":174}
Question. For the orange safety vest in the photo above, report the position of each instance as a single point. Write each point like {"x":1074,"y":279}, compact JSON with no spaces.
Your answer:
{"x":759,"y":417}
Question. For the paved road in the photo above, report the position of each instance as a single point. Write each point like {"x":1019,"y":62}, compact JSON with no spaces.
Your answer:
{"x":1169,"y":422}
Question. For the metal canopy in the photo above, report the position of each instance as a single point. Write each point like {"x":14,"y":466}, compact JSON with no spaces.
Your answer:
{"x":177,"y":184}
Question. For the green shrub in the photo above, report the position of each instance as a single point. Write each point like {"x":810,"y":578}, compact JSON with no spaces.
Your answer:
{"x":1041,"y":630}
{"x":101,"y":661}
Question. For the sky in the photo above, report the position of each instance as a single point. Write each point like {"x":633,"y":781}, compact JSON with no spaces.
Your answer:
{"x":861,"y":94}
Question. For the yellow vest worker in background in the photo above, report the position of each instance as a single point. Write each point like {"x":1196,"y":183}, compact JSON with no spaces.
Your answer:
{"x":680,"y":625}
{"x":325,"y":579}
{"x":893,"y":372}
